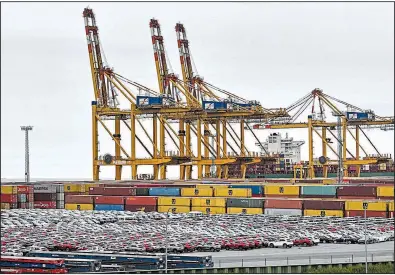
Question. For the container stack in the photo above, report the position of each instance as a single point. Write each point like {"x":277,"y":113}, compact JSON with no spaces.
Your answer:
{"x":164,"y":191}
{"x":109,"y":203}
{"x":323,"y":208}
{"x":375,"y":209}
{"x":244,"y":206}
{"x":174,"y":204}
{"x":70,"y":189}
{"x":357,"y":192}
{"x":9,"y":197}
{"x":209,"y":205}
{"x":321,"y":191}
{"x":282,"y":191}
{"x":79,"y":202}
{"x":233,"y":192}
{"x":290,"y":207}
{"x":385,"y":192}
{"x":45,"y":196}
{"x":143,"y":203}
{"x":25,"y":196}
{"x":256,"y":189}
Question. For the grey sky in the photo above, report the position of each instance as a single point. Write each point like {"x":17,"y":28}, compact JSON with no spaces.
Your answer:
{"x":272,"y":52}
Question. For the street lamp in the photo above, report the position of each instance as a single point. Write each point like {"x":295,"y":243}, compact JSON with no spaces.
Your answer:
{"x":167,"y":216}
{"x":365,"y":207}
{"x":27,"y":162}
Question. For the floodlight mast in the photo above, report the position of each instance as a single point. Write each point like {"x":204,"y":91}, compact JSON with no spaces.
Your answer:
{"x":27,"y":162}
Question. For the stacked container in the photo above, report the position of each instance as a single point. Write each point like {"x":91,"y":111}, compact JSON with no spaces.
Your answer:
{"x":385,"y":192}
{"x":25,"y":196}
{"x":196,"y":192}
{"x":79,"y":202}
{"x":164,"y":191}
{"x":391,"y":209}
{"x":110,"y":203}
{"x":319,"y":191}
{"x":290,"y":207}
{"x":375,"y":209}
{"x":143,"y":203}
{"x":323,"y":208}
{"x":256,"y":190}
{"x":9,"y":197}
{"x":209,"y":205}
{"x":245,"y":206}
{"x":232,"y":192}
{"x":284,"y":191}
{"x":45,"y":196}
{"x":174,"y":204}
{"x":357,"y":192}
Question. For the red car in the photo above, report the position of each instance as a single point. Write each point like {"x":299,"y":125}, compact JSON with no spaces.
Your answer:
{"x":303,"y":241}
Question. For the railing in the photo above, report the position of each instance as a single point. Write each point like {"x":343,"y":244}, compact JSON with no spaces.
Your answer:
{"x":303,"y":259}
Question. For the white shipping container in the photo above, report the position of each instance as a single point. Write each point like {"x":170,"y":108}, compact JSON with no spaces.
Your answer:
{"x":59,"y":188}
{"x":60,"y":196}
{"x":47,"y":188}
{"x":59,"y":204}
{"x":281,"y":211}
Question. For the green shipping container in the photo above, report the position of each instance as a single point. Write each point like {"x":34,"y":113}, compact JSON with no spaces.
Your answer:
{"x":324,"y":190}
{"x":244,"y":203}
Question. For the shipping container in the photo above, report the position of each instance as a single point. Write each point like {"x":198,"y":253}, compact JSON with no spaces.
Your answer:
{"x":210,"y":105}
{"x":74,"y":188}
{"x":60,"y":196}
{"x":283,"y":203}
{"x":237,"y":210}
{"x":142,"y":191}
{"x":44,"y":196}
{"x":109,"y":200}
{"x":360,"y":191}
{"x":141,"y":201}
{"x":283,"y":212}
{"x":391,"y":206}
{"x":385,"y":191}
{"x":281,"y":190}
{"x":148,"y":101}
{"x":78,"y":206}
{"x":211,"y":202}
{"x":119,"y":191}
{"x":323,"y":205}
{"x":80,"y":199}
{"x":174,"y":201}
{"x":210,"y":210}
{"x":24,"y":189}
{"x":9,"y":198}
{"x":60,"y":204}
{"x":205,"y":186}
{"x":59,"y":188}
{"x":110,"y":207}
{"x":174,"y":209}
{"x":196,"y":192}
{"x":22,"y":205}
{"x":255,"y":189}
{"x":244,"y":203}
{"x":323,"y":213}
{"x":143,"y":208}
{"x":9,"y":189}
{"x":45,"y":204}
{"x":372,"y":206}
{"x":5,"y":205}
{"x":45,"y":188}
{"x":89,"y":185}
{"x":96,"y":190}
{"x":232,"y":192}
{"x":22,"y":198}
{"x":356,"y":198}
{"x":164,"y":191}
{"x":323,"y":191}
{"x":369,"y":214}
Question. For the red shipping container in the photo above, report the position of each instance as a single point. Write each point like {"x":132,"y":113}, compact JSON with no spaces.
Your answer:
{"x":145,"y":208}
{"x":141,"y":201}
{"x":82,"y":199}
{"x":109,"y":200}
{"x":323,"y":205}
{"x":283,"y":204}
{"x":45,"y":204}
{"x":360,"y":191}
{"x":119,"y":191}
{"x":9,"y":198}
{"x":44,"y":196}
{"x":360,"y":213}
{"x":24,"y":189}
{"x":30,"y":197}
{"x":96,"y":190}
{"x":14,"y":205}
{"x":118,"y":185}
{"x":257,"y":195}
{"x":356,"y":198}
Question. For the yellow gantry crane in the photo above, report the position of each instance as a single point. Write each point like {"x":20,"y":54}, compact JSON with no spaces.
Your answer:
{"x":353,"y":118}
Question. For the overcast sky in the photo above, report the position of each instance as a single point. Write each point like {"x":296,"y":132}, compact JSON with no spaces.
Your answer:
{"x":271,"y":52}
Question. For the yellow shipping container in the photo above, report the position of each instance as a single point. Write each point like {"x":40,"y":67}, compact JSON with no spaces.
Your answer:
{"x":323,"y":213}
{"x":78,"y":206}
{"x":282,"y":190}
{"x":174,"y":209}
{"x":210,"y":210}
{"x":372,"y":206}
{"x":196,"y":192}
{"x":391,"y":206}
{"x":213,"y":202}
{"x":385,"y":191}
{"x":74,"y":188}
{"x":204,"y":186}
{"x":174,"y":201}
{"x":233,"y":192}
{"x":5,"y":205}
{"x":9,"y":189}
{"x":237,"y":210}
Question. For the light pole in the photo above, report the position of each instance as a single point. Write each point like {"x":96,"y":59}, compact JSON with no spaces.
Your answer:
{"x":167,"y":216}
{"x":27,"y":162}
{"x":365,"y":206}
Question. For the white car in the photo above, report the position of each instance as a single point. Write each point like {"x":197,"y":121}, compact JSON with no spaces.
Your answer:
{"x":281,"y":243}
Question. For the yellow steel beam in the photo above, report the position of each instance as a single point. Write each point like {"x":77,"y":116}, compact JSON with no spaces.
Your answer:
{"x":155,"y":144}
{"x":136,"y":162}
{"x":324,"y":151}
{"x":181,"y":136}
{"x":206,"y":151}
{"x":126,"y":89}
{"x":344,"y":128}
{"x":325,"y":143}
{"x":133,"y":139}
{"x":119,"y":89}
{"x":118,"y":168}
{"x":357,"y":150}
{"x":310,"y":144}
{"x":199,"y":148}
{"x":188,"y":172}
{"x":242,"y":144}
{"x":162,"y":140}
{"x":210,"y":161}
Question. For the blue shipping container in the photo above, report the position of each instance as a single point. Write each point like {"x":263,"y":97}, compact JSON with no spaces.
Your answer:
{"x":214,"y":105}
{"x":255,"y":189}
{"x":109,"y":207}
{"x":324,"y":190}
{"x":148,"y":101}
{"x":359,"y":116}
{"x":164,"y":191}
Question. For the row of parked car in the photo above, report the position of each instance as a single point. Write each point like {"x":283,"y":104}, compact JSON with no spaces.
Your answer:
{"x":24,"y":230}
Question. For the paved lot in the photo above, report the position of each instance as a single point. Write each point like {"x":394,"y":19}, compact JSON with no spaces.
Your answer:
{"x":315,"y":255}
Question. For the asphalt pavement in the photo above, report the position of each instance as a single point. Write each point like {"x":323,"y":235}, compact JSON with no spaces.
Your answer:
{"x":321,"y":254}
